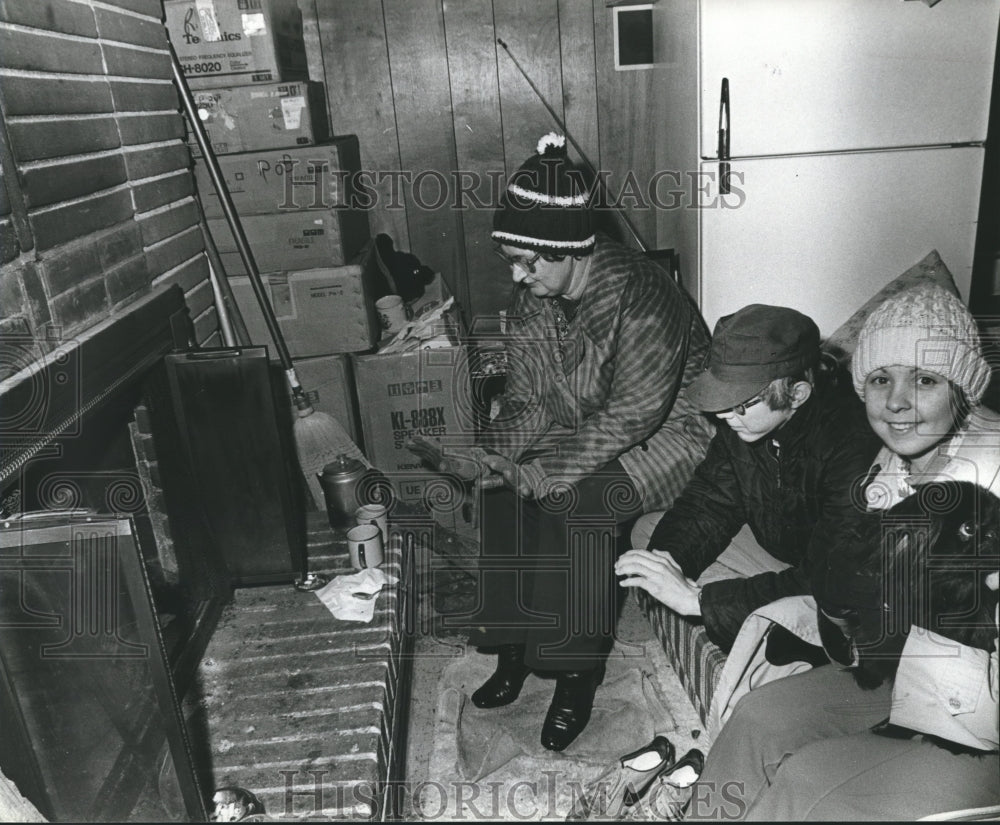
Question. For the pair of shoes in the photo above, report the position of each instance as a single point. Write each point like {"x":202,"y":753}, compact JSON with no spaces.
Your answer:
{"x":645,"y":765}
{"x":571,"y":706}
{"x":624,"y":784}
{"x":685,"y":771}
{"x":672,"y":791}
{"x":504,"y":686}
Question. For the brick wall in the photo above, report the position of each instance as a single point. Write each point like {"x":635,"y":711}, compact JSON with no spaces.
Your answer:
{"x":97,"y":199}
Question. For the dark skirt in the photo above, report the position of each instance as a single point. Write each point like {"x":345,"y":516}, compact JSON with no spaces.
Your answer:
{"x":546,"y":572}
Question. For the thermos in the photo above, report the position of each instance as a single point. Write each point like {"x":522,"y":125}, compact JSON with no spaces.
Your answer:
{"x":339,"y":481}
{"x":347,"y":485}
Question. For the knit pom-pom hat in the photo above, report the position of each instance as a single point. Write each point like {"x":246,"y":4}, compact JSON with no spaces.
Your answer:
{"x":926,"y":327}
{"x":547,"y":204}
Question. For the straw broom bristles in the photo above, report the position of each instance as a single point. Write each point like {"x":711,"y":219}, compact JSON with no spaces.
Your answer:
{"x":320,"y":439}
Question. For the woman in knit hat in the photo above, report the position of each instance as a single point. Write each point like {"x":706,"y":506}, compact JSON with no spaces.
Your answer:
{"x":594,"y":427}
{"x":806,"y":747}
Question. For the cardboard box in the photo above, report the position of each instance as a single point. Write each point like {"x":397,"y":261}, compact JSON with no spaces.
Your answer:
{"x":237,"y":42}
{"x":329,"y":384}
{"x":294,"y":240}
{"x":319,"y":311}
{"x":268,"y":116}
{"x":422,"y":392}
{"x":284,"y":180}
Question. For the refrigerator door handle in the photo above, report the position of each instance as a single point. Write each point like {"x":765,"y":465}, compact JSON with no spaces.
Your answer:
{"x":724,"y":135}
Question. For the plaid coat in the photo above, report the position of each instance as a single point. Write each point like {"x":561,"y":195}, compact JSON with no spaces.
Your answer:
{"x":608,"y":384}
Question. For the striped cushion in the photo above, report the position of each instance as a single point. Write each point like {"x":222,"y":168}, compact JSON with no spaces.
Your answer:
{"x":697,"y":660}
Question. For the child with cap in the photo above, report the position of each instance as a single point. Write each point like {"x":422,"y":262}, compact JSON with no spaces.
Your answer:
{"x":774,"y":487}
{"x":811,"y":746}
{"x":594,"y":426}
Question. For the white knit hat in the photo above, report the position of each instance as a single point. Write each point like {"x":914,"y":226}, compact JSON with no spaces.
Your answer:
{"x":925,"y":327}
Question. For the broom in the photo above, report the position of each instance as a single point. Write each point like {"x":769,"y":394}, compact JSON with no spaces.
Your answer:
{"x":319,"y":438}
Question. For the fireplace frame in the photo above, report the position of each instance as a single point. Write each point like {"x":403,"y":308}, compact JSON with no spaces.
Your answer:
{"x":71,"y":389}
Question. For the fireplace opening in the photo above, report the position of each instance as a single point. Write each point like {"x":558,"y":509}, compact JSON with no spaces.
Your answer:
{"x":96,"y":448}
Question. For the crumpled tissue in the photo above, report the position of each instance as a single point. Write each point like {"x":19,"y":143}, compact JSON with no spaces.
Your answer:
{"x":339,"y":598}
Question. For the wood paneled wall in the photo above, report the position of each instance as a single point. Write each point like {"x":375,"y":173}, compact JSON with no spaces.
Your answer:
{"x":436,"y":101}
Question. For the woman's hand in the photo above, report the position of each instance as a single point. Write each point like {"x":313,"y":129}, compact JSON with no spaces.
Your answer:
{"x":659,"y":575}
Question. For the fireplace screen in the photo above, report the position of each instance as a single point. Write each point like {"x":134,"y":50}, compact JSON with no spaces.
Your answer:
{"x":90,"y":726}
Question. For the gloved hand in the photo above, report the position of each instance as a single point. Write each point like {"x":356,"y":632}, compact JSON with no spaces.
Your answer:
{"x":511,"y":474}
{"x":465,"y":462}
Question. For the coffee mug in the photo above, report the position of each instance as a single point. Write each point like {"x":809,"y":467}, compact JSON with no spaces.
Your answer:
{"x":391,"y":313}
{"x":374,"y":514}
{"x":364,"y":544}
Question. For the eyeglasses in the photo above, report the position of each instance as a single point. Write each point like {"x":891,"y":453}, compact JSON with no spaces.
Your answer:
{"x":741,"y":409}
{"x":527,"y":264}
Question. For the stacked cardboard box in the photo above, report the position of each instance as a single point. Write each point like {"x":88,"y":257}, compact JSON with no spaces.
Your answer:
{"x":265,"y":116}
{"x":296,"y":205}
{"x":291,"y":183}
{"x":237,"y":42}
{"x":420,"y":391}
{"x":319,"y":311}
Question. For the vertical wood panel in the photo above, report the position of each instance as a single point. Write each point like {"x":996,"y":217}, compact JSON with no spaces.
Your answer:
{"x":359,"y":88}
{"x":314,"y":51}
{"x":418,"y":63}
{"x":531,"y":29}
{"x":472,"y":66}
{"x":579,"y":75}
{"x":625,"y":100}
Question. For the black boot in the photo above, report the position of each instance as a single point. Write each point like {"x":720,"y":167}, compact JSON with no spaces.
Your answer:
{"x":571,"y":706}
{"x":504,"y":686}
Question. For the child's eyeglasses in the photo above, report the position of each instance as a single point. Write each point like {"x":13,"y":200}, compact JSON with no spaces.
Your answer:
{"x":741,"y":409}
{"x":527,"y":264}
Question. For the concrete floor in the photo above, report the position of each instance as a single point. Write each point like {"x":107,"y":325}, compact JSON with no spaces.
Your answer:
{"x":434,"y":653}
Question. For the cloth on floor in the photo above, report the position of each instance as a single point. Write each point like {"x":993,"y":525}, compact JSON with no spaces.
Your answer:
{"x":624,"y":717}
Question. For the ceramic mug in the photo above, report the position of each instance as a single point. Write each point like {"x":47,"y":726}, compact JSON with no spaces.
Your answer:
{"x":391,"y":313}
{"x":364,"y":544}
{"x":374,"y":514}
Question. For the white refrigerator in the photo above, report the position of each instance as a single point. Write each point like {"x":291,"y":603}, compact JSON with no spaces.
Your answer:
{"x":854,"y":131}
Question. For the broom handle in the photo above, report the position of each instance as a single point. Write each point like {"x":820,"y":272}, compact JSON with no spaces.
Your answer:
{"x":233,"y":219}
{"x":583,"y":155}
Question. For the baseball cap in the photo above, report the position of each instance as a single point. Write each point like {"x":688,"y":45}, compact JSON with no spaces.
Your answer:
{"x":750,"y":348}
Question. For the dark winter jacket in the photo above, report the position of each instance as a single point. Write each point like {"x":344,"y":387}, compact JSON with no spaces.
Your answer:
{"x":792,"y":487}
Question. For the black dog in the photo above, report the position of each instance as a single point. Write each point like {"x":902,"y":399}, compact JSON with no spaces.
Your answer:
{"x":923,"y":562}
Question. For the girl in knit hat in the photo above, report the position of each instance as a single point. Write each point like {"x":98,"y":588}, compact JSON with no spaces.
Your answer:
{"x":805,"y":747}
{"x":594,"y":427}
{"x":919,"y":368}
